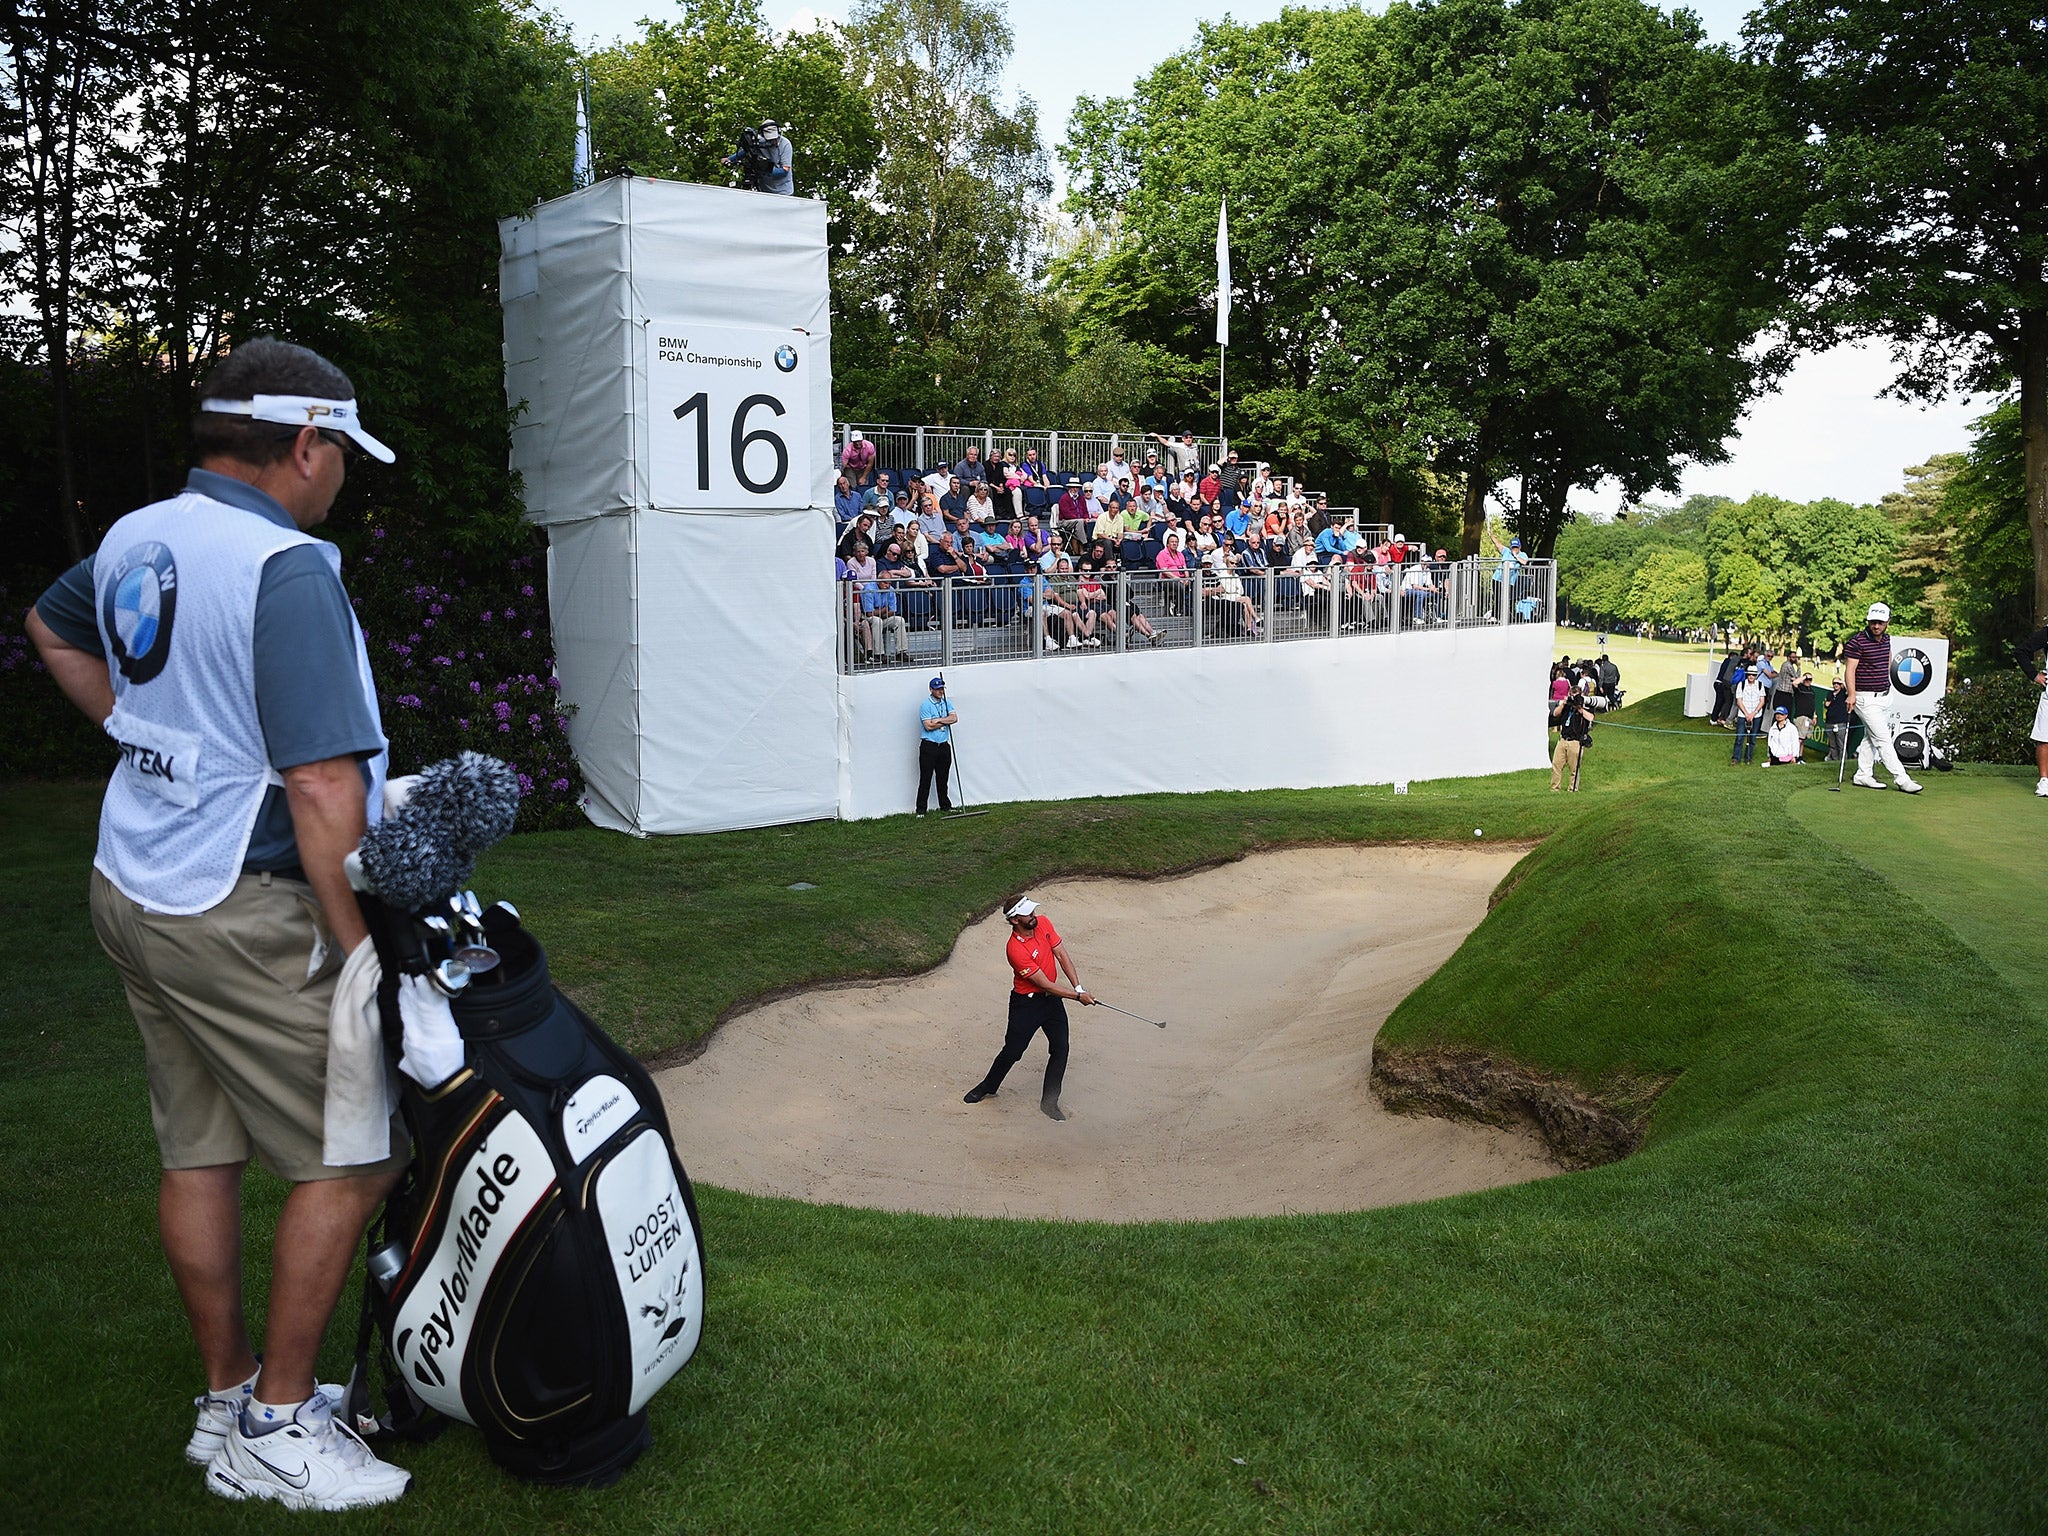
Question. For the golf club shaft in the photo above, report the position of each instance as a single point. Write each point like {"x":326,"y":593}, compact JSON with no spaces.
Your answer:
{"x":1112,"y":1007}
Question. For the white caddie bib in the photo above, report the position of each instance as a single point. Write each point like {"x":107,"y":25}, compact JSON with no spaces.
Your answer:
{"x":175,"y":587}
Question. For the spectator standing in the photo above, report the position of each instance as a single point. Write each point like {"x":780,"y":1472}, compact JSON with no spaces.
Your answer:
{"x":858,"y":460}
{"x":1749,"y":715}
{"x":935,"y":722}
{"x":1574,"y":725}
{"x":1867,"y":662}
{"x":1181,"y":456}
{"x":2026,"y":652}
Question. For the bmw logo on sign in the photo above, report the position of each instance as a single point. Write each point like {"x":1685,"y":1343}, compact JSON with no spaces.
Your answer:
{"x":140,"y":606}
{"x":785,"y":358}
{"x":1911,"y":671}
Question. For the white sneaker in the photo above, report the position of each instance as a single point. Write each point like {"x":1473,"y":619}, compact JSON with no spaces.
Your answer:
{"x":2041,"y":789}
{"x":1908,"y":785}
{"x":1867,"y":780}
{"x":310,"y":1462}
{"x":219,"y":1410}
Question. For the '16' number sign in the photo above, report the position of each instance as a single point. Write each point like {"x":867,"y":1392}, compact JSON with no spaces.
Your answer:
{"x":729,"y":416}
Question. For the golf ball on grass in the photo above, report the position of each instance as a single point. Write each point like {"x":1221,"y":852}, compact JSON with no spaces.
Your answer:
{"x":1476,"y":832}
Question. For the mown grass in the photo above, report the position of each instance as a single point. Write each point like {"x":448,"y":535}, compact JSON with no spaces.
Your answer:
{"x":1813,"y":1300}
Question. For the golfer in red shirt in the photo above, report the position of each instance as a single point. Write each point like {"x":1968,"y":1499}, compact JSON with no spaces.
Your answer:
{"x":1037,"y":956}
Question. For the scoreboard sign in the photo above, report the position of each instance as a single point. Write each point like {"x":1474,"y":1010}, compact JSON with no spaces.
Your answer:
{"x":729,"y":416}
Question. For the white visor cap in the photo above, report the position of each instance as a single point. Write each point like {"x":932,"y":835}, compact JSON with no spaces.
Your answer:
{"x":306,"y":411}
{"x":1023,"y":908}
{"x":1879,"y":611}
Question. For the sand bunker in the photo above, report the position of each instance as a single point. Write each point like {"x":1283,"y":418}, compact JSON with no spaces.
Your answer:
{"x":1273,"y":974}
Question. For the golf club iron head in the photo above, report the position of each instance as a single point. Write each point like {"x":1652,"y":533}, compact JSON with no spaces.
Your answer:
{"x":451,"y":976}
{"x":477,"y":958}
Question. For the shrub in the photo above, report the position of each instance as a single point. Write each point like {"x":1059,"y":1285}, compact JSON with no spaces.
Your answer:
{"x":1988,"y":719}
{"x":459,"y":646}
{"x":44,"y":737}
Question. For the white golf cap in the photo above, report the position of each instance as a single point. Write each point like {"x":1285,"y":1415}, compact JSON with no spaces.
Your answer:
{"x":1024,"y":908}
{"x":1879,"y":611}
{"x":854,"y":435}
{"x":306,"y":411}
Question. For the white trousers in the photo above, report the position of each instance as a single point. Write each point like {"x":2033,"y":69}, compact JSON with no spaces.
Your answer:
{"x":1875,"y":711}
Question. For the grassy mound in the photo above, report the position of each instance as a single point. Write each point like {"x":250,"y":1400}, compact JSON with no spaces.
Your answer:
{"x":1812,"y":1300}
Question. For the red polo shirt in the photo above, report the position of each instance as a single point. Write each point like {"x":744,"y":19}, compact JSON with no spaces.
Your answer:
{"x":1033,"y":952}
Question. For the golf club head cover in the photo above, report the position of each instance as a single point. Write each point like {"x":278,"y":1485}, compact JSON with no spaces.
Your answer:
{"x":427,"y":848}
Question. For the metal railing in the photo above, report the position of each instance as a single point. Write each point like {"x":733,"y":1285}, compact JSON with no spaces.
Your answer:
{"x":923,"y":448}
{"x":1020,"y":616}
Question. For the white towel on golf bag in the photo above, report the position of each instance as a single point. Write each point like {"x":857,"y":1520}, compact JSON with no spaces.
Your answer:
{"x":357,"y":1124}
{"x":360,"y":1093}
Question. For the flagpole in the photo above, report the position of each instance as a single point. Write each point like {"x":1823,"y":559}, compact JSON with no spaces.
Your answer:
{"x":1222,"y":312}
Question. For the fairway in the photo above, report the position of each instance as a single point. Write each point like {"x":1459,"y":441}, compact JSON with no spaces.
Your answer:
{"x":1973,"y":849}
{"x":1647,"y":666}
{"x":1812,"y":1301}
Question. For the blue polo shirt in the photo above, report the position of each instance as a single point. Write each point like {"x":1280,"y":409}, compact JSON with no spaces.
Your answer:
{"x":931,"y":710}
{"x":307,"y":697}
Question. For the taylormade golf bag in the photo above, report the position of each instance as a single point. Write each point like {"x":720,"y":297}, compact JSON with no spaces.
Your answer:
{"x":539,"y":1271}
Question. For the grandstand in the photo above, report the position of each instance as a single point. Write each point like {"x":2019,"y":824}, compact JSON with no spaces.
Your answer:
{"x":668,"y":351}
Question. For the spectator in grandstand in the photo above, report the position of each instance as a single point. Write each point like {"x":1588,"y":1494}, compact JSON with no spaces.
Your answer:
{"x":1222,"y":587}
{"x":1073,"y":504}
{"x":953,"y":500}
{"x":970,"y":468}
{"x":846,"y":501}
{"x":859,"y":563}
{"x":858,"y":460}
{"x":1034,"y":472}
{"x":1119,"y":467}
{"x":860,"y":531}
{"x":945,"y":559}
{"x":1210,"y":483}
{"x":1138,"y":518}
{"x":1781,"y":741}
{"x":902,"y":514}
{"x":981,"y":508}
{"x":1509,"y":574}
{"x":887,"y":636}
{"x":1314,"y":585}
{"x":1181,"y":497}
{"x":1028,"y":539}
{"x":1174,"y":582}
{"x":1419,"y":594}
{"x":1093,"y":609}
{"x":1237,"y":519}
{"x":931,"y":522}
{"x":879,"y":496}
{"x":1203,"y":543}
{"x":1250,"y":554}
{"x":1102,"y":486}
{"x":1298,"y":536}
{"x":1062,"y":617}
{"x":1329,"y":545}
{"x":1109,"y":522}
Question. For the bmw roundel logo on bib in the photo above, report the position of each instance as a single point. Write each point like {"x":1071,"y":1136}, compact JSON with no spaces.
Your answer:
{"x":785,"y":357}
{"x":1911,"y":670}
{"x":139,"y":609}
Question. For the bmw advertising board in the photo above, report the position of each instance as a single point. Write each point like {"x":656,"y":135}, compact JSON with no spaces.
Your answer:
{"x":729,"y":417}
{"x":1919,"y":675}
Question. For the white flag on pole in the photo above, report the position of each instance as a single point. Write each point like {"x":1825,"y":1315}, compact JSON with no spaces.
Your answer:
{"x":1223,"y":273}
{"x":580,"y":177}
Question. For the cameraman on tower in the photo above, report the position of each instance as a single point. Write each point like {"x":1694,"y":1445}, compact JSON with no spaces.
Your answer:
{"x":766,"y":160}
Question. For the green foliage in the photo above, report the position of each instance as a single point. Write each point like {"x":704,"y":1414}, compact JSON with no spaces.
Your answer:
{"x":1989,"y":719}
{"x":1922,"y":596}
{"x":1778,"y":569}
{"x":1536,"y":239}
{"x":1928,"y":127}
{"x":1986,"y":503}
{"x":330,"y":174}
{"x":44,"y":737}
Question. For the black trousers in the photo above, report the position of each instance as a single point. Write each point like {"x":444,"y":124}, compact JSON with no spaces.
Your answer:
{"x":934,"y":759}
{"x":1029,"y":1013}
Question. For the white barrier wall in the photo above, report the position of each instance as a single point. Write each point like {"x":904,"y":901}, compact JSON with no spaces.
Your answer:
{"x":1428,"y":705}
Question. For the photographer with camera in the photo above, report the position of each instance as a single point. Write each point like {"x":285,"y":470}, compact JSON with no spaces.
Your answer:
{"x":765,"y":160}
{"x":1572,"y":718}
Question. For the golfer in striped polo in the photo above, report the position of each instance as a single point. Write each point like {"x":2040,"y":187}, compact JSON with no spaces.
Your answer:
{"x":1867,"y":667}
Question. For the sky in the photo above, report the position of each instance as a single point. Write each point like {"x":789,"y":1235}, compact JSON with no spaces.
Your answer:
{"x":1824,"y":432}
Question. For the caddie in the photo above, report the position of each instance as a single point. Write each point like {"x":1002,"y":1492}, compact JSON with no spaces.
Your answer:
{"x":1867,"y":674}
{"x":212,"y":639}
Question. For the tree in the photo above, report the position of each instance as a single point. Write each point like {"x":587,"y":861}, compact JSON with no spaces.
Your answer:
{"x":1987,"y":503}
{"x":1538,"y":239}
{"x":1670,"y":589}
{"x":1930,"y":224}
{"x":1921,"y":515}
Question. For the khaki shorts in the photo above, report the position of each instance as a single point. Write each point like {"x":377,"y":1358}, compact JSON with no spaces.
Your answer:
{"x":232,"y":1005}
